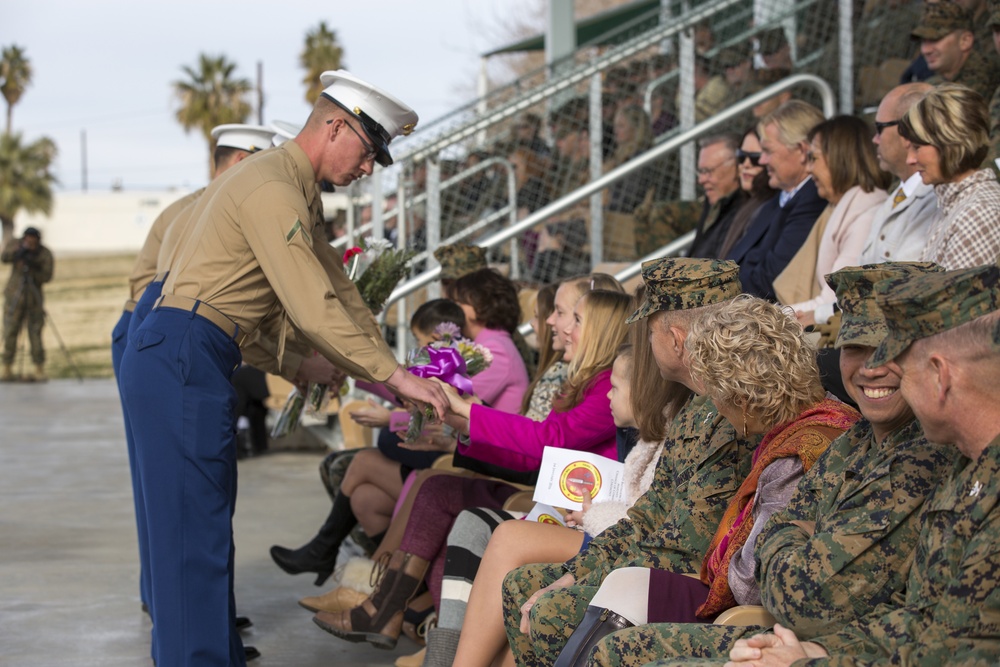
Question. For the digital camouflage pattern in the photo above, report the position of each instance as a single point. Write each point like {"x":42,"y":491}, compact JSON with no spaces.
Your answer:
{"x":459,"y":259}
{"x":950,"y":614}
{"x":840,"y":547}
{"x":994,"y":127}
{"x":682,"y":283}
{"x":657,"y":223}
{"x":862,"y":322}
{"x":24,"y":303}
{"x":940,"y":19}
{"x":921,"y":306}
{"x":863,"y":503}
{"x":669,"y":527}
{"x":978,"y":73}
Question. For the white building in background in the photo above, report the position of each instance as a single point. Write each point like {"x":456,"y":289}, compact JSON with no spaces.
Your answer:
{"x":101,"y":223}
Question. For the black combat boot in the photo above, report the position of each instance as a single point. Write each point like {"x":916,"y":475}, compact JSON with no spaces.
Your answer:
{"x":320,"y":554}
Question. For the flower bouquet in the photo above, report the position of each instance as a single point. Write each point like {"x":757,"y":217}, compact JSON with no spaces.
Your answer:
{"x":452,"y":359}
{"x":376,"y":268}
{"x":288,"y":419}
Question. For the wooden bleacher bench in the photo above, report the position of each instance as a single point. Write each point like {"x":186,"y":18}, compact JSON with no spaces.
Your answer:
{"x":745,"y":614}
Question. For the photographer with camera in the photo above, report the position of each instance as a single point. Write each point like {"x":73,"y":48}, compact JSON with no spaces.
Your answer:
{"x":23,"y":303}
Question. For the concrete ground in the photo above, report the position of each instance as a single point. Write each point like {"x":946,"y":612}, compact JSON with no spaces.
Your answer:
{"x":68,"y":559}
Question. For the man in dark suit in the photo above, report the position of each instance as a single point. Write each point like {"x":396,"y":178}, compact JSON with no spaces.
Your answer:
{"x":782,"y":225}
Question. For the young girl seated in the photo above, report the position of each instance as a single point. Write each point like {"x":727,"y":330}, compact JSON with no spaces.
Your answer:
{"x":639,"y":397}
{"x":580,"y":420}
{"x":374,"y":478}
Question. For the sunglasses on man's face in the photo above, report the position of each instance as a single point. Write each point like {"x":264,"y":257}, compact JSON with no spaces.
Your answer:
{"x":882,"y":126}
{"x":753,"y":156}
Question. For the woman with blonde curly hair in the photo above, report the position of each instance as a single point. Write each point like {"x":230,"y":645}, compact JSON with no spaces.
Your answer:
{"x":751,"y":358}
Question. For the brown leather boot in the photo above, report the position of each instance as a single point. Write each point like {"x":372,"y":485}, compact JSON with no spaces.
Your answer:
{"x":8,"y":373}
{"x":39,"y":375}
{"x":379,"y":619}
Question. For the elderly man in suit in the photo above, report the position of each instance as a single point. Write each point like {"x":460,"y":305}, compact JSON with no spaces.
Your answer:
{"x":783,"y":223}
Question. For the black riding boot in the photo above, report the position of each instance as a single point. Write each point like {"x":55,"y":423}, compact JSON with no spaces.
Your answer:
{"x":320,"y":554}
{"x":597,"y":624}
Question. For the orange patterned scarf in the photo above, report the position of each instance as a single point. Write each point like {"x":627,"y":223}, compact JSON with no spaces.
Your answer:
{"x":806,"y":437}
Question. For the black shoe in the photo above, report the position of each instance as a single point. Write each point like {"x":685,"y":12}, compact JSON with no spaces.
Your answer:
{"x":242,"y":623}
{"x":319,"y":555}
{"x":251,"y":653}
{"x":145,"y":608}
{"x":302,"y":560}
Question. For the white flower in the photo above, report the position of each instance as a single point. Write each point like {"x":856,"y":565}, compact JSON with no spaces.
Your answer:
{"x":376,"y":246}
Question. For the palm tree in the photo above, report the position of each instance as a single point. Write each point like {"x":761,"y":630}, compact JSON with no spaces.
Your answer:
{"x":15,"y":75}
{"x":26,"y":179}
{"x":320,"y":53}
{"x":211,"y":96}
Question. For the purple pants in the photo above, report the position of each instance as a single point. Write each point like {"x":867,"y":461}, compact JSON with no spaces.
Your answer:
{"x":439,"y":501}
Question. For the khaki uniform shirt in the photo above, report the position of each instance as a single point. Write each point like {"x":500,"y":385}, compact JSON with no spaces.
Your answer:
{"x":254,"y":254}
{"x":144,"y":269}
{"x":170,"y":239}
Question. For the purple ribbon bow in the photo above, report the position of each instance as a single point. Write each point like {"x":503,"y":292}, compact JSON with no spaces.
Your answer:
{"x":448,"y":366}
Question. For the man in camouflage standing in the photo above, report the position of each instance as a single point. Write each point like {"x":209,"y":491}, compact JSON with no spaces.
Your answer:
{"x":943,"y":342}
{"x":842,"y":544}
{"x":702,"y":465}
{"x":23,"y":301}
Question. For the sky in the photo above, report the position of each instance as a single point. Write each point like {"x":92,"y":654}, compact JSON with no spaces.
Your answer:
{"x":106,"y":67}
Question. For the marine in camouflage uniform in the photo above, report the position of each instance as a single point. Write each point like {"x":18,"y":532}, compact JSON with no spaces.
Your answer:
{"x":459,"y":259}
{"x":979,"y":73}
{"x":702,"y":466}
{"x":950,"y":611}
{"x":24,"y":305}
{"x":843,"y":543}
{"x":658,"y":223}
{"x":994,"y":20}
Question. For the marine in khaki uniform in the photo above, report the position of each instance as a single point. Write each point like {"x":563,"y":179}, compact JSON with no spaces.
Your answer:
{"x":942,"y":343}
{"x":24,"y":305}
{"x":233,"y":143}
{"x":700,"y":470}
{"x":948,"y":43}
{"x":843,"y":544}
{"x":252,"y":258}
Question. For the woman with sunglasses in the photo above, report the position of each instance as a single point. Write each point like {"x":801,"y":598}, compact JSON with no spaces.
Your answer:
{"x":754,"y":182}
{"x":841,"y":159}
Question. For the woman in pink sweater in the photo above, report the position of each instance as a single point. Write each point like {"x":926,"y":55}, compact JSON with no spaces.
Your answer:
{"x":581,"y":419}
{"x":375,"y":478}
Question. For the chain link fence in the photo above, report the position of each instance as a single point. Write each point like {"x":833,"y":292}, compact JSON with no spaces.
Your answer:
{"x":525,"y":145}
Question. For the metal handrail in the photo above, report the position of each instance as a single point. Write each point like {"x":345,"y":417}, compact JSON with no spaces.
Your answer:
{"x":672,"y":249}
{"x":615,"y":175}
{"x":571,"y":78}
